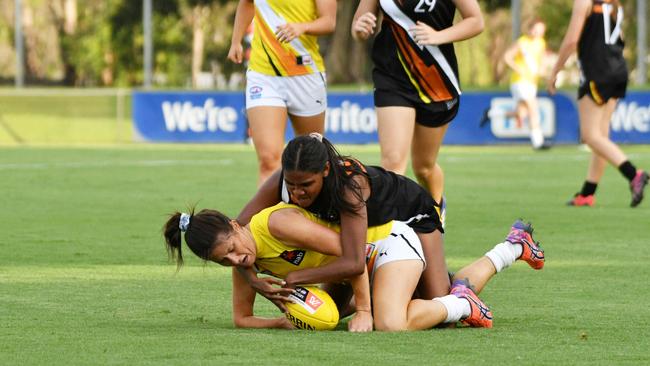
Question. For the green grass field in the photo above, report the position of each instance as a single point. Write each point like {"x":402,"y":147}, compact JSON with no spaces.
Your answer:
{"x":84,"y":277}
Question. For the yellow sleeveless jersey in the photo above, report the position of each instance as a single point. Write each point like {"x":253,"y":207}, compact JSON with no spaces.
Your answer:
{"x":529,"y":59}
{"x":278,"y":259}
{"x":271,"y":57}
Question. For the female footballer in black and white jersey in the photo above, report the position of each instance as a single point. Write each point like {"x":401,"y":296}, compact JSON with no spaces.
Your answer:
{"x":596,"y":31}
{"x":416,"y":77}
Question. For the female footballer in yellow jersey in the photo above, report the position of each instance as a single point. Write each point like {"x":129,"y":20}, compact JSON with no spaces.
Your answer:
{"x":286,"y":74}
{"x":525,"y":58}
{"x":285,"y":238}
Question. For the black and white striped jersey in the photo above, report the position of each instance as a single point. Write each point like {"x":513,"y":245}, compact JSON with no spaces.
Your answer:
{"x":431,"y":72}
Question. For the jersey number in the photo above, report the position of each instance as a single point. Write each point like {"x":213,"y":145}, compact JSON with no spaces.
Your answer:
{"x":419,"y":8}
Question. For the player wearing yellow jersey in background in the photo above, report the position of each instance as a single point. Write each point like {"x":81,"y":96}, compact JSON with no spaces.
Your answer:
{"x":525,"y":58}
{"x":286,"y":74}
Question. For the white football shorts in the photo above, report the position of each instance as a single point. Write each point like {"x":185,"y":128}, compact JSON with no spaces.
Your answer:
{"x":402,"y":244}
{"x":303,"y":95}
{"x":523,"y":91}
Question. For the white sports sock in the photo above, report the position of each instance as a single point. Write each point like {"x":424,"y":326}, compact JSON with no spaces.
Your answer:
{"x":503,"y":255}
{"x":457,"y":308}
{"x":537,"y":138}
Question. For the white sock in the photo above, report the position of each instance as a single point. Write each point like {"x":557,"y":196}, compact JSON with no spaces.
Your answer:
{"x":457,"y":308}
{"x":504,"y":255}
{"x":537,"y":138}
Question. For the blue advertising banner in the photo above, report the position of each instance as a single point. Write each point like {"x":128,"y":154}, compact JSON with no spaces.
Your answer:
{"x":189,"y":117}
{"x":558,"y":117}
{"x":631,"y":119}
{"x":351,"y":118}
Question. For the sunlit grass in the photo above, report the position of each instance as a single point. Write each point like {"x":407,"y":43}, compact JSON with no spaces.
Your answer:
{"x":84,"y":276}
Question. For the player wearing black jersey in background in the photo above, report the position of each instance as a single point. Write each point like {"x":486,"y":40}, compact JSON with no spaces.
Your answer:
{"x":416,"y":77}
{"x":596,"y":31}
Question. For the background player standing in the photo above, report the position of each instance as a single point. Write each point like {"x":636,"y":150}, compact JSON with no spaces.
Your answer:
{"x":415,"y":78}
{"x":286,"y":74}
{"x":596,"y":31}
{"x":525,"y":57}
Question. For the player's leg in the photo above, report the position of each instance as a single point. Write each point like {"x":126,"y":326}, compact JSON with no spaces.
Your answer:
{"x":434,"y":281}
{"x":303,"y":125}
{"x":638,"y":179}
{"x":395,"y":131}
{"x":427,"y":139}
{"x":477,"y":274}
{"x":397,"y":268}
{"x":397,"y":264}
{"x":438,"y":183}
{"x":597,"y":163}
{"x":267,"y":126}
{"x":591,"y":117}
{"x":521,"y":113}
{"x":519,"y":245}
{"x":393,"y":309}
{"x":306,"y":97}
{"x":536,"y":133}
{"x":392,"y":288}
{"x":266,"y":110}
{"x":424,"y":155}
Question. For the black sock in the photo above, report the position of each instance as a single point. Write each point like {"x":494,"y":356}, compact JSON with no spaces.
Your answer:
{"x":628,"y":170}
{"x":588,"y":188}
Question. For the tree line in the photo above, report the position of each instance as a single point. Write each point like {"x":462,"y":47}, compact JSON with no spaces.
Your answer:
{"x":99,"y":43}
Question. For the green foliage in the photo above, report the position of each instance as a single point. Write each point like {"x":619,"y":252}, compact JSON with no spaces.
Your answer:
{"x":106,"y":48}
{"x":492,"y":5}
{"x":85,"y":279}
{"x":556,"y":15}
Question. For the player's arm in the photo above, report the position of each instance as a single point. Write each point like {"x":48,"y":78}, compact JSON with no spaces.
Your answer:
{"x":267,"y":195}
{"x":291,"y":227}
{"x":326,"y":21}
{"x":354,"y":227}
{"x":243,"y":300}
{"x":243,"y":18}
{"x":324,"y":24}
{"x":362,"y":320}
{"x":581,"y":9}
{"x":510,"y":54}
{"x":364,"y":22}
{"x":469,"y":26}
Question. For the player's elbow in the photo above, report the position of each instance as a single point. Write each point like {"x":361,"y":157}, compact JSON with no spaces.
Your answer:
{"x":571,"y":45}
{"x":330,"y":24}
{"x":353,"y":268}
{"x":479,"y":25}
{"x":240,"y":322}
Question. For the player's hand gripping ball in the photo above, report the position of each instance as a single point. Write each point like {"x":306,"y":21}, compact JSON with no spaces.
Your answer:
{"x":312,"y":309}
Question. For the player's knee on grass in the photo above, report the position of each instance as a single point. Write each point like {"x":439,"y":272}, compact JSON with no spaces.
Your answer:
{"x":390,"y":324}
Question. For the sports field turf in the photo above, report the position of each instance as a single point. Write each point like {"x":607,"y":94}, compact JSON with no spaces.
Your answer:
{"x":84,"y":277}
